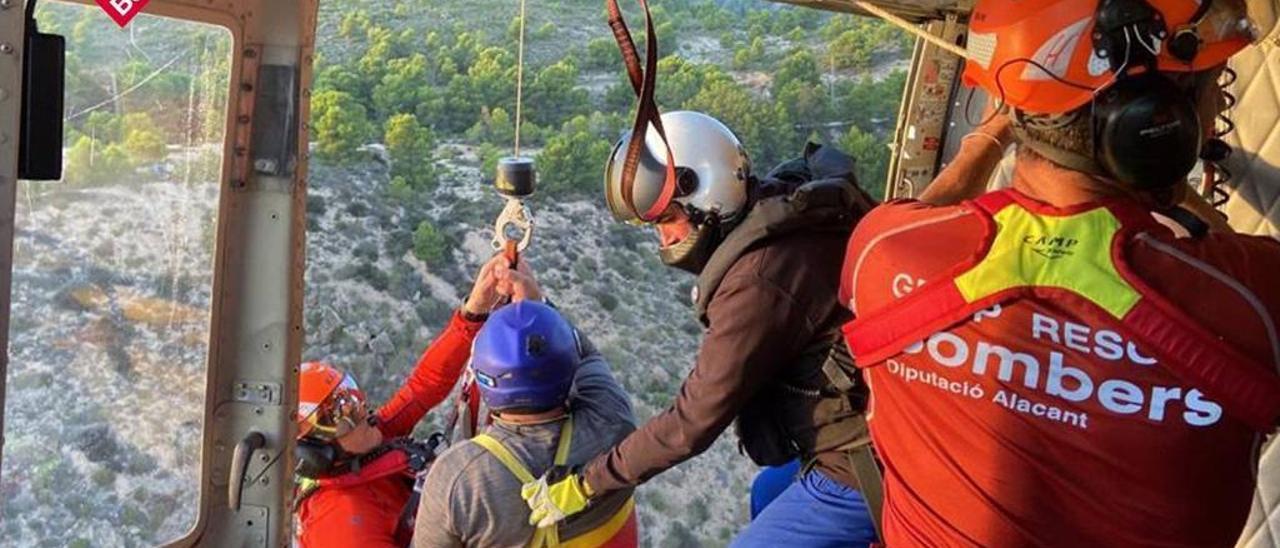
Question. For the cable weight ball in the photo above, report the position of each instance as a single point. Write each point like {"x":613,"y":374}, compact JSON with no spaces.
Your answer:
{"x":516,"y":177}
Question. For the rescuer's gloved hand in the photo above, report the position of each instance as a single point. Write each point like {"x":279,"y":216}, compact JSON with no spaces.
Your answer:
{"x":558,"y":494}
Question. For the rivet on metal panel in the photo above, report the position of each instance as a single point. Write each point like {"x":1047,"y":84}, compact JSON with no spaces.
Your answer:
{"x":246,"y":86}
{"x":257,"y":410}
{"x":243,"y":119}
{"x":6,"y":4}
{"x":264,"y":457}
{"x":250,"y":53}
{"x":265,"y":480}
{"x":6,"y":48}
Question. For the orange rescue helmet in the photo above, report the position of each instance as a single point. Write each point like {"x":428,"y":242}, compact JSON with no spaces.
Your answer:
{"x":1012,"y":43}
{"x":329,"y":401}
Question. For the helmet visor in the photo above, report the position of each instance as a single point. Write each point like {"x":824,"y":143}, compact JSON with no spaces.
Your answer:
{"x":338,"y":414}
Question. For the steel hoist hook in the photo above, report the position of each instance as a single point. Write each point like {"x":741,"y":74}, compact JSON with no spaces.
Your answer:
{"x":514,"y":216}
{"x":513,"y":229}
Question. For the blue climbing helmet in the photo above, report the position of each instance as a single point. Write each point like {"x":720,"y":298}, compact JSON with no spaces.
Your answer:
{"x":524,"y":358}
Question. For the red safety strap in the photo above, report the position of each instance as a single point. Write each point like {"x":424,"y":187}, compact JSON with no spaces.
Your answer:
{"x":466,"y":410}
{"x":643,"y":81}
{"x":1247,"y":390}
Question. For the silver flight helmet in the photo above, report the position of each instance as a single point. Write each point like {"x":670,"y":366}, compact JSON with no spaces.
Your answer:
{"x":711,"y":166}
{"x":712,"y":172}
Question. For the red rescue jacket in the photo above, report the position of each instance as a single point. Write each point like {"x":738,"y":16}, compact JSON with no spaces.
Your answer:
{"x":364,"y":509}
{"x":1062,"y":376}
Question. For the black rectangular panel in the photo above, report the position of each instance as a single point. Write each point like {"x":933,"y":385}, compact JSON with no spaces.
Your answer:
{"x":43,"y":82}
{"x":275,"y":118}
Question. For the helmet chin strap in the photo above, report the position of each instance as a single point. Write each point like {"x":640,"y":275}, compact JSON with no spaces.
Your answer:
{"x":692,"y":253}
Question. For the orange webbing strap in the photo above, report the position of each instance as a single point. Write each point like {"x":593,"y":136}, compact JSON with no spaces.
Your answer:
{"x":465,"y":410}
{"x":647,"y":113}
{"x":1247,"y":390}
{"x":511,"y":252}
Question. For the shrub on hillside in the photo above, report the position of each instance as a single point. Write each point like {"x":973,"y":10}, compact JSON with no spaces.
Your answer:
{"x":429,"y":244}
{"x":339,"y":126}
{"x":411,"y":147}
{"x":573,"y":160}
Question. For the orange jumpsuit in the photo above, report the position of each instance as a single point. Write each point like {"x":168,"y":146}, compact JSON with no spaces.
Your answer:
{"x":366,"y":514}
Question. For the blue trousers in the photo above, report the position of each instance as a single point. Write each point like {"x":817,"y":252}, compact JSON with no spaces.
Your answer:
{"x":771,"y":482}
{"x":815,"y":511}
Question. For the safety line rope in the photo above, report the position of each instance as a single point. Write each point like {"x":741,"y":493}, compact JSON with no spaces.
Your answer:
{"x":519,"y":79}
{"x":911,"y":28}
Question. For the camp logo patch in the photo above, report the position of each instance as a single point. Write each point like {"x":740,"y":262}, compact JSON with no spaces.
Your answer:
{"x":122,"y":11}
{"x":1051,"y":247}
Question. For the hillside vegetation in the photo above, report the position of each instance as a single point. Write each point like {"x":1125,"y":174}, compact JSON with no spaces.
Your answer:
{"x":429,"y":69}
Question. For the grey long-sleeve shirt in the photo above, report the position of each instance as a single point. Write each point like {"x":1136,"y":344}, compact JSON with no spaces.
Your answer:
{"x":471,"y":499}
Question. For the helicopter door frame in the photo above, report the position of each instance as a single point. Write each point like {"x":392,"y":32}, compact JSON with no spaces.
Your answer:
{"x":256,"y":330}
{"x":930,"y":113}
{"x":12,"y":24}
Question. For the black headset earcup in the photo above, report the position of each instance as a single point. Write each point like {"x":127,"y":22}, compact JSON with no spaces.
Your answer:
{"x":1146,"y":131}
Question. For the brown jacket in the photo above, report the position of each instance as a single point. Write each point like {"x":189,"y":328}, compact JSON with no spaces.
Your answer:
{"x":773,"y":303}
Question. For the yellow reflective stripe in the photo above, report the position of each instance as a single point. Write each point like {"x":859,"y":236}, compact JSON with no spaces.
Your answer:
{"x":606,"y":531}
{"x":504,"y":456}
{"x":541,"y":537}
{"x":566,"y":439}
{"x":1071,"y":253}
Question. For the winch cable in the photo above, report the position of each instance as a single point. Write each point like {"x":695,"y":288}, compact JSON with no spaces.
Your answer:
{"x":643,"y":81}
{"x":519,"y":80}
{"x":514,"y":181}
{"x":516,"y":176}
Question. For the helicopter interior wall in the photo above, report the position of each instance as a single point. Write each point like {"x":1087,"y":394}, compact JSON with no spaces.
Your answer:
{"x":1254,"y":206}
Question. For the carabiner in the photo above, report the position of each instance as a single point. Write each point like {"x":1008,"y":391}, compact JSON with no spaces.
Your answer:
{"x":514,"y":214}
